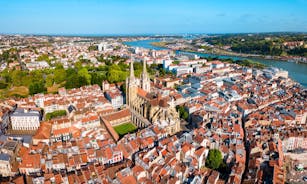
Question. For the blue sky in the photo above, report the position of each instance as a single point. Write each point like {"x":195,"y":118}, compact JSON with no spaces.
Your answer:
{"x":151,"y":16}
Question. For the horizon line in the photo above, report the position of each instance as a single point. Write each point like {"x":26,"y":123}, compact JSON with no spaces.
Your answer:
{"x":141,"y":34}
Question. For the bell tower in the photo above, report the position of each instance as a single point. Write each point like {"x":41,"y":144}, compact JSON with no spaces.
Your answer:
{"x":145,"y":81}
{"x":131,"y":86}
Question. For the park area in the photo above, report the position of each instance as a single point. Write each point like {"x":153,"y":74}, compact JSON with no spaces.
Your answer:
{"x":125,"y":128}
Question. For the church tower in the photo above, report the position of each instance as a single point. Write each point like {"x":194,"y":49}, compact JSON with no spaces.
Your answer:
{"x":131,"y":86}
{"x":145,"y":81}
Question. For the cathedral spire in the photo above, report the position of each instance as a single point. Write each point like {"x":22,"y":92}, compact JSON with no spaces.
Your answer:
{"x":144,"y":67}
{"x":131,"y":69}
{"x":145,"y":79}
{"x":131,"y":86}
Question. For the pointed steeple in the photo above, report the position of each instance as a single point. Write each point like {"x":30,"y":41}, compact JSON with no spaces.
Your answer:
{"x":145,"y":78}
{"x":131,"y":69}
{"x":144,"y":67}
{"x":131,"y":86}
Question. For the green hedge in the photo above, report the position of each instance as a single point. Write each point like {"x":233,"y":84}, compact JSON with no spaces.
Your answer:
{"x":54,"y":114}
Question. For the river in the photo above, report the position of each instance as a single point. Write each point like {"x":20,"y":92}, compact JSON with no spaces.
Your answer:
{"x":297,"y":71}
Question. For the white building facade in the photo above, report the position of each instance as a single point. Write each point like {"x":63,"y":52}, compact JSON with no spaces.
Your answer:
{"x":23,"y":119}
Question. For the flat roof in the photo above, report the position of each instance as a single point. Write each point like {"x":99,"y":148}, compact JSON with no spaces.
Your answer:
{"x":4,"y":156}
{"x":10,"y":145}
{"x":25,"y":112}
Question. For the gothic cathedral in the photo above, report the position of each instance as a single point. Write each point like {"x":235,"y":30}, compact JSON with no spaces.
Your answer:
{"x":148,"y":108}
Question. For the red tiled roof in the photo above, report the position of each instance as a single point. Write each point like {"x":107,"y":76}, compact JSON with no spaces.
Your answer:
{"x":108,"y":153}
{"x":117,"y":115}
{"x":61,"y":131}
{"x":199,"y":151}
{"x":128,"y":179}
{"x":90,"y":119}
{"x":84,"y":158}
{"x":30,"y":161}
{"x":137,"y":169}
{"x":111,"y":130}
{"x":141,"y":92}
{"x":43,"y":131}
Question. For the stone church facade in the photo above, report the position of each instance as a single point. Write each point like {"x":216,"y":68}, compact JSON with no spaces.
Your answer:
{"x":148,"y":107}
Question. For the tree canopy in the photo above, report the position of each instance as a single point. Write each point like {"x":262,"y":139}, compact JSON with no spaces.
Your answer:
{"x":264,"y":44}
{"x":37,"y":87}
{"x":59,"y":74}
{"x":214,"y":159}
{"x":183,"y":113}
{"x":55,"y":114}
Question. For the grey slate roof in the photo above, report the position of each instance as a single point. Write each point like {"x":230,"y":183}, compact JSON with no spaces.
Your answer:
{"x":4,"y":156}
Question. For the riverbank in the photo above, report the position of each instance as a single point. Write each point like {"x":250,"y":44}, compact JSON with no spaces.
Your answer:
{"x":229,"y":53}
{"x":263,"y":57}
{"x":297,"y":71}
{"x":241,"y":56}
{"x":159,"y":44}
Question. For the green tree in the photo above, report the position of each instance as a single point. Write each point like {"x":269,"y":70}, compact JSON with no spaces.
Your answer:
{"x":97,"y":77}
{"x":37,"y":87}
{"x":117,"y":73}
{"x":214,"y":159}
{"x":100,"y":58}
{"x":36,"y":75}
{"x":123,"y":88}
{"x":72,"y":79}
{"x":55,"y":114}
{"x":5,"y":75}
{"x":123,"y":66}
{"x":183,"y":113}
{"x":114,"y":67}
{"x":17,"y":77}
{"x":59,"y":74}
{"x":84,"y":77}
{"x":43,"y":57}
{"x":49,"y":80}
{"x":113,"y":76}
{"x":3,"y":85}
{"x":78,"y":64}
{"x":122,"y":76}
{"x":92,"y":47}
